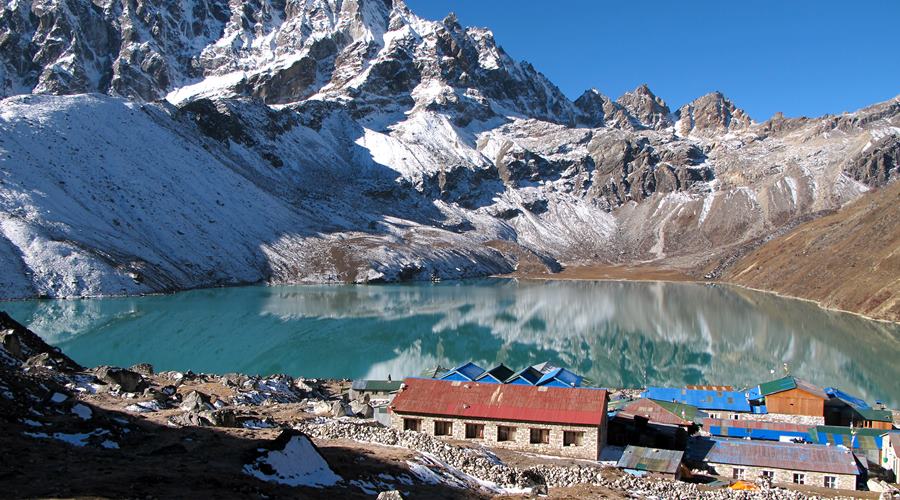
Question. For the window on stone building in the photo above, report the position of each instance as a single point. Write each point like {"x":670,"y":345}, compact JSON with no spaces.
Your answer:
{"x":735,"y":416}
{"x":737,"y":473}
{"x":412,"y":424}
{"x":443,"y":428}
{"x":830,"y":482}
{"x":799,"y":478}
{"x":573,"y":438}
{"x":474,"y":431}
{"x":713,"y":415}
{"x":506,"y":433}
{"x":540,"y":436}
{"x":768,"y":474}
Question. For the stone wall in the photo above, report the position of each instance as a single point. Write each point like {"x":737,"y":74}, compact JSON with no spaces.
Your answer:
{"x":780,"y":417}
{"x":784,"y":476}
{"x":727,"y":415}
{"x":591,"y":443}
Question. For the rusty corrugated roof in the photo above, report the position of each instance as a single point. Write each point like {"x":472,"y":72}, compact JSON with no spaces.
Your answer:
{"x":775,"y":455}
{"x":661,"y":412}
{"x":710,"y":387}
{"x":517,"y":403}
{"x":650,"y":459}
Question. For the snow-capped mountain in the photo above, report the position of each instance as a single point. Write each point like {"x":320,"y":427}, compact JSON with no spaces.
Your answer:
{"x":149,"y":146}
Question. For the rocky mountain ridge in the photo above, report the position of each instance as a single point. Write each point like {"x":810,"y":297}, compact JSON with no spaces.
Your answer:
{"x":350,"y":140}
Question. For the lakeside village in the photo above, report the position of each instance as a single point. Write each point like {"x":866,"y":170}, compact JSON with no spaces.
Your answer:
{"x":461,"y":433}
{"x":785,"y":431}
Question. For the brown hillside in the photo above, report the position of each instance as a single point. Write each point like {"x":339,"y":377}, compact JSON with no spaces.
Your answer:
{"x":848,"y":260}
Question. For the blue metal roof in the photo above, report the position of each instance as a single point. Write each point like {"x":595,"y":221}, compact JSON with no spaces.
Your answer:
{"x":467,"y":372}
{"x":853,"y":401}
{"x":565,"y":378}
{"x":705,"y":400}
{"x":764,"y":434}
{"x":526,"y":376}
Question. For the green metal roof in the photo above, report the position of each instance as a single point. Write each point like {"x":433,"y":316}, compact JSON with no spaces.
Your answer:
{"x":680,"y":410}
{"x":377,"y":385}
{"x":776,"y":386}
{"x":876,"y":415}
{"x":865,"y":439}
{"x":788,"y":383}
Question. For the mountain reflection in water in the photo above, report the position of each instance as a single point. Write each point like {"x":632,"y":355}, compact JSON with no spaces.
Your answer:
{"x":619,"y":334}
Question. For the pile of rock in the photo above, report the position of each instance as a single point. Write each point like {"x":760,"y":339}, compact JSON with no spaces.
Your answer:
{"x":475,"y":462}
{"x":485,"y":466}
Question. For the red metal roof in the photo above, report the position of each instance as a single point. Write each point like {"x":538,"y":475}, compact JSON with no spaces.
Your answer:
{"x":653,"y":412}
{"x":755,"y":424}
{"x":518,"y":403}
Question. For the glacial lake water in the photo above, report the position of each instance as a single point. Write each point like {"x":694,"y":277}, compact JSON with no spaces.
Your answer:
{"x":619,"y":334}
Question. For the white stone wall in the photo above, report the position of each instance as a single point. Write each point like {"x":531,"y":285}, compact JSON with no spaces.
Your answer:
{"x":726,"y":471}
{"x":788,"y":419}
{"x":591,"y":444}
{"x":889,"y":459}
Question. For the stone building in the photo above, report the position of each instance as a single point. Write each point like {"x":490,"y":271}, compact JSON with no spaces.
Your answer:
{"x":890,"y":453}
{"x":808,"y":464}
{"x":567,"y":422}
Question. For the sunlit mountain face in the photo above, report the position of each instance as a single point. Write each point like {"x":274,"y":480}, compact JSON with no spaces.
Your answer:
{"x":617,"y":334}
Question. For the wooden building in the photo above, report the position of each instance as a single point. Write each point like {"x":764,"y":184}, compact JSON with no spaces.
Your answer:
{"x":567,"y":422}
{"x":792,"y":396}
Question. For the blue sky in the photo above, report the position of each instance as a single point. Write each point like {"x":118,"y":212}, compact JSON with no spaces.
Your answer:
{"x":801,"y":57}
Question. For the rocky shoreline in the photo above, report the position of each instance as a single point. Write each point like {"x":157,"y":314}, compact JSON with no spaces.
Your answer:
{"x":153,"y":424}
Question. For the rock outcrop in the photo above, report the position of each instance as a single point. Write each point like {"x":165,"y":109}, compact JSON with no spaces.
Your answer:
{"x":710,"y":114}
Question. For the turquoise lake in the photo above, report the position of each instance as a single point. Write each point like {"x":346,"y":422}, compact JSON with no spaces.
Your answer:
{"x":618,"y":334}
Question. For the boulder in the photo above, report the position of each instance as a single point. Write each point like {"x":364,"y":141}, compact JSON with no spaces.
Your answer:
{"x":128,"y":380}
{"x":219,"y":418}
{"x":145,"y":369}
{"x":234,"y":379}
{"x":12,"y":344}
{"x":362,"y":409}
{"x":321,"y":408}
{"x":195,"y":401}
{"x":341,"y":409}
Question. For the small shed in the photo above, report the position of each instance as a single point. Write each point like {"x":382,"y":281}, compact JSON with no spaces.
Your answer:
{"x":654,"y":460}
{"x":375,"y":389}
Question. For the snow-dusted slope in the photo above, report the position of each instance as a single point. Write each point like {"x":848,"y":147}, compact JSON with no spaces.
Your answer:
{"x":350,"y":140}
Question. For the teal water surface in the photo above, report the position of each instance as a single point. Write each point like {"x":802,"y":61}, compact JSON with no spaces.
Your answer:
{"x":619,"y":334}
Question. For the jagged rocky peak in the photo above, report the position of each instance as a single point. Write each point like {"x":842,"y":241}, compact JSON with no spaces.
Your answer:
{"x":598,"y":110}
{"x":711,"y":113}
{"x":645,"y":109}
